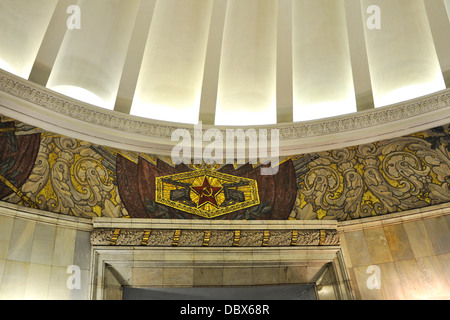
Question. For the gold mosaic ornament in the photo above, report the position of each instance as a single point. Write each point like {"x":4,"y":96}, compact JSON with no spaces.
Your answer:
{"x":206,"y":193}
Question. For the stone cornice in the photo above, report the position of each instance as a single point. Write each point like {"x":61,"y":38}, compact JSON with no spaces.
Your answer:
{"x":201,"y":233}
{"x":33,"y":104}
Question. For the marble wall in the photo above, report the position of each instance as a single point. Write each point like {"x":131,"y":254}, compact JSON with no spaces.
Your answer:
{"x":402,"y":256}
{"x":397,"y":256}
{"x":35,"y":254}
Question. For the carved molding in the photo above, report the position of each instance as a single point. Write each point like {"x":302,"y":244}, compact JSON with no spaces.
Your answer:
{"x":214,"y":238}
{"x":38,"y":106}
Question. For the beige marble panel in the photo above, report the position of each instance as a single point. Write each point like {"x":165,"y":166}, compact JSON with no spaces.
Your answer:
{"x":113,"y":294}
{"x":58,"y":289}
{"x":179,"y":277}
{"x":265,"y":276}
{"x":237,"y":276}
{"x":14,"y":280}
{"x":2,"y":268}
{"x":418,"y":238}
{"x":37,"y":282}
{"x":433,"y":276}
{"x":313,"y":273}
{"x":43,"y":244}
{"x":357,"y":248}
{"x":82,"y":252}
{"x":391,"y":287}
{"x":21,"y":240}
{"x":208,"y":277}
{"x":361,"y":276}
{"x":292,"y":274}
{"x":83,"y":292}
{"x":377,"y":245}
{"x":411,"y":278}
{"x":439,"y":234}
{"x":147,"y":276}
{"x":447,"y":218}
{"x":64,"y":247}
{"x":444,"y":260}
{"x":112,"y":278}
{"x":345,"y":251}
{"x":6,"y":227}
{"x":398,"y":242}
{"x":157,"y":255}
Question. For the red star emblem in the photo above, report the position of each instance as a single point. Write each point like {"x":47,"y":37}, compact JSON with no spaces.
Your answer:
{"x":206,"y":193}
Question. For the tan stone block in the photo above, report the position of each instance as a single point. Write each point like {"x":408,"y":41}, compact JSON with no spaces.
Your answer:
{"x":2,"y":268}
{"x":208,"y":276}
{"x":38,"y":282}
{"x":433,"y":276}
{"x":6,"y":227}
{"x":58,"y":289}
{"x":237,"y":276}
{"x":292,"y":274}
{"x":398,"y":242}
{"x":357,"y":248}
{"x":43,"y":244}
{"x":444,"y":260}
{"x":313,"y":273}
{"x":447,"y":218}
{"x":418,"y":239}
{"x":145,"y":254}
{"x":345,"y":251}
{"x":391,"y":287}
{"x":377,"y":245}
{"x":178,"y":277}
{"x":439,"y":234}
{"x":113,"y":293}
{"x":64,"y":247}
{"x":179,"y":255}
{"x":14,"y":280}
{"x":265,"y":276}
{"x":147,"y":276}
{"x":366,"y":293}
{"x":411,"y":279}
{"x":21,"y":240}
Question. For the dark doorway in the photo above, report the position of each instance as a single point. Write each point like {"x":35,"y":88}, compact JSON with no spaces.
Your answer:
{"x":283,"y":292}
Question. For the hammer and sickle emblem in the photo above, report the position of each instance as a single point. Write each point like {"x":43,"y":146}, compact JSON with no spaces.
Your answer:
{"x":207,"y":191}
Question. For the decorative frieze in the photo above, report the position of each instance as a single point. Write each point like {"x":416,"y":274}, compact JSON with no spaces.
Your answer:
{"x":214,"y":238}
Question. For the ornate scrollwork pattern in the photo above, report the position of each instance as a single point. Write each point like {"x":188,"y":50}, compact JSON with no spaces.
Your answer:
{"x":375,"y":179}
{"x":70,"y":178}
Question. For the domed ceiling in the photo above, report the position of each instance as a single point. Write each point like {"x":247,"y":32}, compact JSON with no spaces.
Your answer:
{"x":230,"y":62}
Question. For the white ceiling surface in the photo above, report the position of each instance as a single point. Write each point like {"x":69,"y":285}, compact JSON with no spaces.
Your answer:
{"x":437,"y":16}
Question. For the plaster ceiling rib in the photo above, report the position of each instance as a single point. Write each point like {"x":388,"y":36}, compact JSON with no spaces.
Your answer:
{"x":51,"y":43}
{"x":402,"y":57}
{"x":447,"y":7}
{"x":323,"y":80}
{"x":134,"y":58}
{"x":90,"y":61}
{"x":438,"y":19}
{"x":284,"y":62}
{"x":358,"y":55}
{"x":23,"y":25}
{"x":171,"y":76}
{"x":212,"y":64}
{"x":247,"y":79}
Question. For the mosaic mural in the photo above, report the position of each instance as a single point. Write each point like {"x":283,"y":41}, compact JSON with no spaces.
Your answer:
{"x":67,"y":176}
